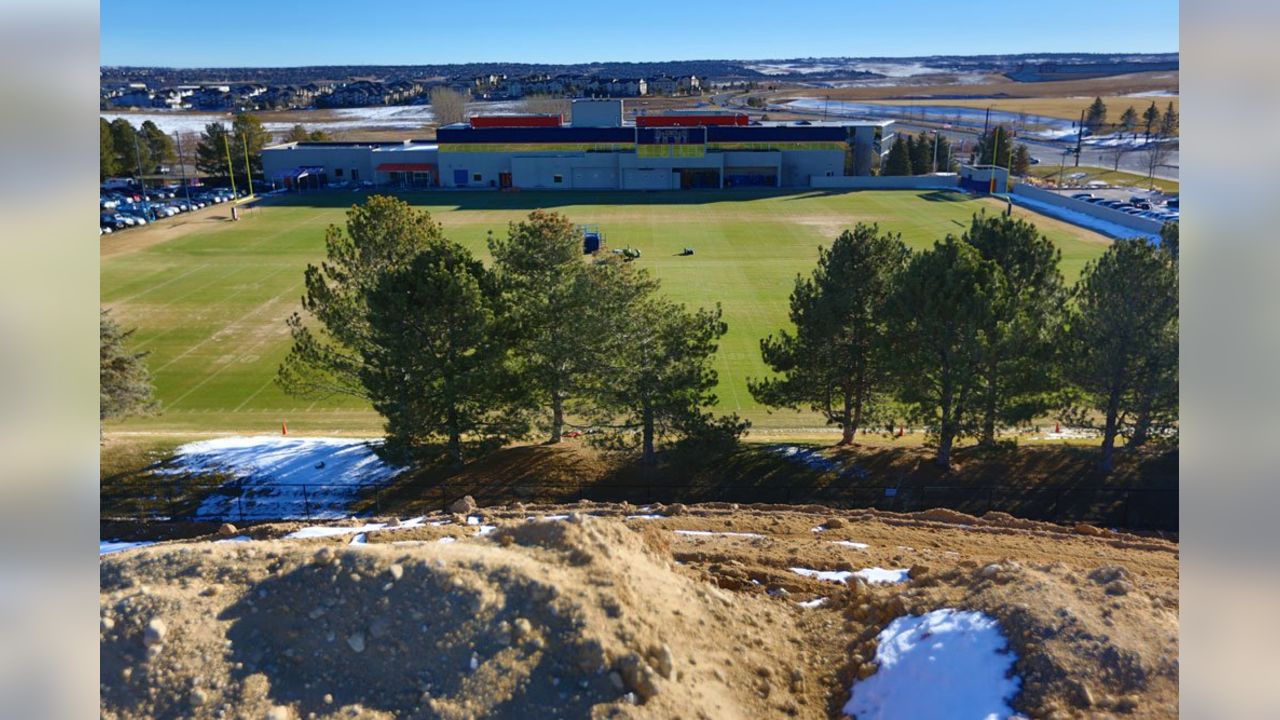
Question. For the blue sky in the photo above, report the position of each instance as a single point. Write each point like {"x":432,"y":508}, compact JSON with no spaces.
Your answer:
{"x":332,"y":32}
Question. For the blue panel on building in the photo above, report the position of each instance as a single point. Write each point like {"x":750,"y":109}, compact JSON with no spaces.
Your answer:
{"x":459,"y":177}
{"x":671,"y":136}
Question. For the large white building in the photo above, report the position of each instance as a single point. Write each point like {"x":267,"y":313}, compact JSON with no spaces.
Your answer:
{"x":596,"y":150}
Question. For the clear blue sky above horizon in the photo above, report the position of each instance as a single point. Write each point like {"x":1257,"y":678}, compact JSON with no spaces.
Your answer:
{"x":377,"y":32}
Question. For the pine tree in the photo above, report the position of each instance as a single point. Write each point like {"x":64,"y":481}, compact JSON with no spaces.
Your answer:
{"x":945,"y":159}
{"x":1169,"y":122}
{"x":1121,"y":342}
{"x":1096,"y":116}
{"x":212,"y":151}
{"x":837,"y":360}
{"x":124,"y":385}
{"x":548,"y":299}
{"x":382,"y":235}
{"x":1129,"y":120}
{"x":160,"y":146}
{"x":1150,"y":117}
{"x":1020,"y":163}
{"x":996,"y":147}
{"x":108,"y":156}
{"x":297,"y":133}
{"x":655,"y":378}
{"x":941,"y":305}
{"x":921,"y":152}
{"x":898,"y":162}
{"x":1018,"y":341}
{"x":134,"y":155}
{"x":435,"y":361}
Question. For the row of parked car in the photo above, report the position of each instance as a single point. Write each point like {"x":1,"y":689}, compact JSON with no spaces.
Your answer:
{"x":120,"y":209}
{"x":1145,"y":207}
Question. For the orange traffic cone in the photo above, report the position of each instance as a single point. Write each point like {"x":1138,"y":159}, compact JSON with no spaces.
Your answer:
{"x":284,"y":429}
{"x":1057,"y":428}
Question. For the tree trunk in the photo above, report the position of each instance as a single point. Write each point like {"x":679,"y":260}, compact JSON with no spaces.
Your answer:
{"x":455,"y":439}
{"x":946,"y":431}
{"x":1107,"y":462}
{"x":650,"y":457}
{"x":848,"y":427}
{"x":989,"y":412}
{"x":557,"y":417}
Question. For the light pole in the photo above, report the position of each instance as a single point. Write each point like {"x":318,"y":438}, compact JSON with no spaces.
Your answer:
{"x":936,"y":135}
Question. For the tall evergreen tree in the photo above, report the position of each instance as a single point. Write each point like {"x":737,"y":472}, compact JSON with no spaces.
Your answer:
{"x":1019,"y":338}
{"x":656,"y":378}
{"x":1020,"y":162}
{"x":212,"y":151}
{"x":941,"y":305}
{"x":108,"y":156}
{"x":160,"y":147}
{"x":996,"y":147}
{"x":921,"y":152}
{"x":1121,"y":344}
{"x":1169,"y":122}
{"x":1129,"y":120}
{"x":1150,"y":117}
{"x":124,"y":385}
{"x":945,"y":159}
{"x":899,"y":160}
{"x":382,"y":235}
{"x":837,"y":361}
{"x":135,"y":157}
{"x":549,"y":299}
{"x":435,"y":363}
{"x":1096,"y":116}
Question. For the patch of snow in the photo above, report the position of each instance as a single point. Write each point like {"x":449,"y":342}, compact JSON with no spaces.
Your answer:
{"x":708,"y":533}
{"x":810,"y":604}
{"x":360,"y":539}
{"x":1105,"y":227}
{"x":238,"y":538}
{"x":840,"y":576}
{"x":106,"y":547}
{"x":873,"y":575}
{"x":944,"y":664}
{"x":881,"y":576}
{"x":318,"y":531}
{"x":850,"y":544}
{"x":486,"y":529}
{"x":645,"y":516}
{"x":808,"y":457}
{"x":820,"y":528}
{"x":280,"y":477}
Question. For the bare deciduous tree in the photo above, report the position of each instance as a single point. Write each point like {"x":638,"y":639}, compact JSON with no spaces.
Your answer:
{"x":1156,"y":152}
{"x":546,"y":105}
{"x":448,"y":106}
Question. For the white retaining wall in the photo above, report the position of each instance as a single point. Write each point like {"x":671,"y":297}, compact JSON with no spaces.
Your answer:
{"x":1141,"y":224}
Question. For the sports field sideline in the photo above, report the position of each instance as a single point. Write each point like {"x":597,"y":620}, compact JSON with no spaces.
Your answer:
{"x":209,"y":297}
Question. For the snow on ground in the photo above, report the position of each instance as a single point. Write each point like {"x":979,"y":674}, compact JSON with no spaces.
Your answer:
{"x":1105,"y":227}
{"x":279,"y":478}
{"x":941,"y":665}
{"x":808,"y":457}
{"x":708,"y":533}
{"x":237,"y":538}
{"x":106,"y":547}
{"x":873,"y":575}
{"x":645,"y":516}
{"x":850,"y":544}
{"x":810,"y":604}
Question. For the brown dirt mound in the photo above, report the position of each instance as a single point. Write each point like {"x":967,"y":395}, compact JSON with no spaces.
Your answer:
{"x":604,"y":617}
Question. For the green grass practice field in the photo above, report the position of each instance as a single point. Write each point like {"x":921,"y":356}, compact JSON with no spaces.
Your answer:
{"x":209,"y":297}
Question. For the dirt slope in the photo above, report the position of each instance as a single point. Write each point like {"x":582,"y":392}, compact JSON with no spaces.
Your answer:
{"x":600,"y":616}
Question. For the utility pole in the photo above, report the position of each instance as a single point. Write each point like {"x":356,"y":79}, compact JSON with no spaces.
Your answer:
{"x":182,"y":166}
{"x":231,"y":173}
{"x":248,"y":172}
{"x":936,"y":134}
{"x":1079,"y":138}
{"x":137,"y":155}
{"x":985,"y":122}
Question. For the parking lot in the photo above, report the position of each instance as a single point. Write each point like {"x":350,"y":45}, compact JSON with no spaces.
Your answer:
{"x":122,"y":207}
{"x":1150,"y":204}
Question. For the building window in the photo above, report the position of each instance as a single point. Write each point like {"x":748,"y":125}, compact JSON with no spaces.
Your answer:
{"x":477,"y":178}
{"x":337,"y":172}
{"x":557,"y":179}
{"x":355,"y":174}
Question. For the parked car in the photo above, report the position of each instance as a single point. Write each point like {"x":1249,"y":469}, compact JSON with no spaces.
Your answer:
{"x":1172,"y":202}
{"x":1083,"y":196}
